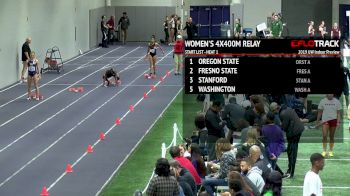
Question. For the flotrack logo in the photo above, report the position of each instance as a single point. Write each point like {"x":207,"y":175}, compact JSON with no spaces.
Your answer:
{"x":314,"y":43}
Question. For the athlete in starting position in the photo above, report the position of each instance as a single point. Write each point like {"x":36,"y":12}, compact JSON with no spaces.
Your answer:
{"x":107,"y":77}
{"x":152,"y":56}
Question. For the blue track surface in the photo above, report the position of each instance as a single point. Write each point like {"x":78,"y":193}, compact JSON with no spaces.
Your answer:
{"x":39,"y":138}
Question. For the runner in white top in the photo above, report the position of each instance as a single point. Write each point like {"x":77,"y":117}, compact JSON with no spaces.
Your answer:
{"x":312,"y":181}
{"x":330,"y":110}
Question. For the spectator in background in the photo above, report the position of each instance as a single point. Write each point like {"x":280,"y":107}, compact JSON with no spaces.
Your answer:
{"x":166,"y":29}
{"x":185,"y":163}
{"x":238,"y":29}
{"x":191,"y":28}
{"x":33,"y":76}
{"x":124,"y":23}
{"x":179,"y":48}
{"x":163,"y":184}
{"x":111,"y":28}
{"x":237,"y":168}
{"x":330,"y":111}
{"x":276,"y":26}
{"x":25,"y":57}
{"x":311,"y":29}
{"x":273,"y":184}
{"x":237,"y":184}
{"x":260,"y":161}
{"x":183,"y":151}
{"x":184,"y":176}
{"x":253,"y":173}
{"x":232,"y":114}
{"x":274,"y":139}
{"x":335,"y":32}
{"x":104,"y":30}
{"x":199,"y":122}
{"x":293,"y":127}
{"x":252,"y":139}
{"x":215,"y":127}
{"x":226,"y":157}
{"x":312,"y":181}
{"x":197,"y":160}
{"x":243,"y":127}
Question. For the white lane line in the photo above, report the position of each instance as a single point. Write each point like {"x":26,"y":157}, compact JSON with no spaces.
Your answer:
{"x":43,"y":101}
{"x":133,"y":149}
{"x":324,"y":187}
{"x":3,"y":105}
{"x":107,"y":132}
{"x":60,"y":138}
{"x":18,"y":83}
{"x":54,"y":115}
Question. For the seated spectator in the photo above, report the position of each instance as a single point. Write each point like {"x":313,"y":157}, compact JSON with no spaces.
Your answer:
{"x":183,"y":151}
{"x":253,"y":173}
{"x":273,"y":186}
{"x":184,"y":177}
{"x":238,"y":185}
{"x":274,"y":140}
{"x":237,"y":168}
{"x":163,"y":183}
{"x":185,"y":163}
{"x":197,"y":160}
{"x":240,"y":155}
{"x":262,"y":164}
{"x":182,"y":185}
{"x":252,"y":139}
{"x":226,"y":157}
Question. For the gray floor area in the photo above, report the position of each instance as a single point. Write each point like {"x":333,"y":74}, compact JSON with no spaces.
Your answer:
{"x":39,"y":138}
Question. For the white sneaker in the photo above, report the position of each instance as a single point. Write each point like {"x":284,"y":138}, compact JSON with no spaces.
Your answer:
{"x":29,"y":98}
{"x":37,"y":99}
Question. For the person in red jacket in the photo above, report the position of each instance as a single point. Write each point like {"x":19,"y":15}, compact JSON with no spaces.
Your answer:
{"x":185,"y":163}
{"x":179,"y":47}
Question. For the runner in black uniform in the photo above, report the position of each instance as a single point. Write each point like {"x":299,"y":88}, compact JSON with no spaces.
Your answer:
{"x":107,"y":77}
{"x":33,"y":76}
{"x":152,"y":57}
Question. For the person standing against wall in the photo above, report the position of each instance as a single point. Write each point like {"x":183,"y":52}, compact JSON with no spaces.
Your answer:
{"x":104,"y":29}
{"x":111,"y":25}
{"x":276,"y":26}
{"x":166,"y":29}
{"x":124,"y":23}
{"x":25,"y":57}
{"x":335,"y":32}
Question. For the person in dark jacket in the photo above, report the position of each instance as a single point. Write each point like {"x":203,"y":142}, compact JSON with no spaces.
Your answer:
{"x":293,"y":127}
{"x":190,"y":28}
{"x":215,"y":126}
{"x":184,"y":176}
{"x":232,"y":114}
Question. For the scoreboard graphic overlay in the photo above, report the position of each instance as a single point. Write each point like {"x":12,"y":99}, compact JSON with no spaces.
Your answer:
{"x":263,"y":66}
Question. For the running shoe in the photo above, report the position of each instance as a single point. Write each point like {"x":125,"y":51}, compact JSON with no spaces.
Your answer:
{"x":331,"y":154}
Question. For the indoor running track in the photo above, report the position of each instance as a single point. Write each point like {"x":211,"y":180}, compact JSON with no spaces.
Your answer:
{"x":39,"y":138}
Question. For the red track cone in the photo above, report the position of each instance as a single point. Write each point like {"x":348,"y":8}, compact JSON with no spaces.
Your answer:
{"x":144,"y":95}
{"x":69,"y":168}
{"x":131,"y":108}
{"x":102,"y":136}
{"x":80,"y":89}
{"x":117,"y":122}
{"x":89,"y":149}
{"x":153,"y":87}
{"x":44,"y":192}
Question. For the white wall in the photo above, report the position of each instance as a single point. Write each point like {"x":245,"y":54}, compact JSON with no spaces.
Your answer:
{"x":257,"y":11}
{"x":49,"y":23}
{"x":152,"y":3}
